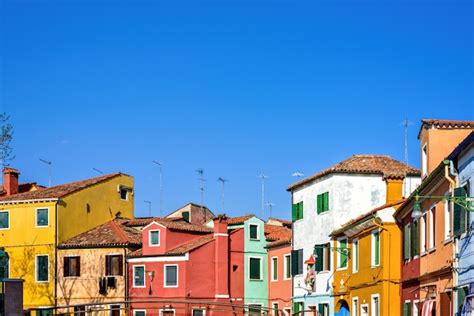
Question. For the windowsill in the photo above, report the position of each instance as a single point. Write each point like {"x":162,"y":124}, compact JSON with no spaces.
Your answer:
{"x":424,"y":253}
{"x":170,"y":286}
{"x":431,"y":250}
{"x":447,"y":241}
{"x":254,"y":239}
{"x":355,"y":271}
{"x":7,"y":228}
{"x":341,"y":269}
{"x":286,"y":279}
{"x":139,"y":286}
{"x":375,"y":266}
{"x":43,"y":282}
{"x":72,"y":277}
{"x":274,"y":280}
{"x":113,"y":275}
{"x":326,"y":271}
{"x":153,"y":245}
{"x":298,"y":220}
{"x":256,"y":280}
{"x":323,"y":213}
{"x":42,"y":226}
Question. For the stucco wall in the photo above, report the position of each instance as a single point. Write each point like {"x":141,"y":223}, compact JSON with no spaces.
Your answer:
{"x":279,"y":291}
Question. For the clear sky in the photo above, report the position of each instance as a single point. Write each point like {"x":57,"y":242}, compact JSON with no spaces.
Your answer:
{"x":234,"y":87}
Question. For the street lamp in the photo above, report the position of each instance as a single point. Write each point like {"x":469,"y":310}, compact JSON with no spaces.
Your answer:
{"x":463,"y":201}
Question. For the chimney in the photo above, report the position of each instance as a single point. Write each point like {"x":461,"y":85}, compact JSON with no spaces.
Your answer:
{"x":10,"y":180}
{"x":394,"y":188}
{"x":221,"y":266}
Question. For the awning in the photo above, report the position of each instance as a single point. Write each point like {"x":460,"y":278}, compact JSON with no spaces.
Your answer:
{"x":427,"y":307}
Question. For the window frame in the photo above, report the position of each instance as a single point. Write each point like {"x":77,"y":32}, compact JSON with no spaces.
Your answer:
{"x":339,"y":254}
{"x":198,"y":309}
{"x":277,"y":305}
{"x":36,"y":217}
{"x":37,"y":266}
{"x":149,"y":237}
{"x":165,"y":279}
{"x":121,"y":264}
{"x":355,"y":307}
{"x":423,"y":236}
{"x":372,"y":248}
{"x":372,"y":304}
{"x":424,"y":160}
{"x":138,"y":310}
{"x":8,"y":224}
{"x":432,"y":228}
{"x":167,"y":310}
{"x":134,"y":267}
{"x":273,"y":270}
{"x":260,"y":265}
{"x":250,"y":231}
{"x":287,"y":267}
{"x":448,"y":222}
{"x":323,"y":207}
{"x":355,"y":255}
{"x":69,"y":257}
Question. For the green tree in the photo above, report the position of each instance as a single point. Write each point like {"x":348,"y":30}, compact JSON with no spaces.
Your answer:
{"x":6,"y":137}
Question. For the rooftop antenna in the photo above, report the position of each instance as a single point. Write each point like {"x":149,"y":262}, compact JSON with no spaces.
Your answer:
{"x":97,"y":170}
{"x":263,"y":177}
{"x":297,"y":174}
{"x":160,"y":165}
{"x":406,"y":123}
{"x":223,"y":181}
{"x":270,"y":205}
{"x":149,"y":207}
{"x":49,"y":163}
{"x":201,"y":179}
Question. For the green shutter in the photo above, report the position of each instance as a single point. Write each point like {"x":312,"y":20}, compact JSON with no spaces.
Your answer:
{"x":319,"y":203}
{"x":459,"y":226}
{"x":343,"y":253}
{"x":318,"y":250}
{"x":296,"y":308}
{"x":300,"y":207}
{"x":293,"y":212}
{"x":325,"y":201}
{"x":415,"y":243}
{"x":294,"y":262}
{"x":406,"y":242}
{"x":255,"y":269}
{"x":185,"y":216}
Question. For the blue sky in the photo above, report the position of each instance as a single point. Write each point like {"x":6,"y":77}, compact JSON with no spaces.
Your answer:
{"x":234,"y":87}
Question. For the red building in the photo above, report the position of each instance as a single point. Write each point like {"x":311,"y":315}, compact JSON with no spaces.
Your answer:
{"x":187,"y":269}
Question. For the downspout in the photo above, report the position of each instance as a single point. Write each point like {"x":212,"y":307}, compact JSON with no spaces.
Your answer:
{"x":56,"y":256}
{"x":125,"y":272}
{"x":449,"y":171}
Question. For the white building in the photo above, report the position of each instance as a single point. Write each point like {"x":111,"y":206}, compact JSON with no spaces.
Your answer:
{"x":325,"y":201}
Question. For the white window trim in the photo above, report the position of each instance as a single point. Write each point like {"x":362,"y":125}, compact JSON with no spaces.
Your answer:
{"x":167,"y":310}
{"x":287,"y":311}
{"x":424,"y":160}
{"x":258,"y":231}
{"x":372,"y":248}
{"x":448,"y":211}
{"x":324,"y":303}
{"x":164,"y":275}
{"x":355,"y":299}
{"x":355,"y":255}
{"x":372,"y":303}
{"x":414,"y":306}
{"x":272,"y":269}
{"x":423,"y":236}
{"x":261,"y":268}
{"x":432,"y":228}
{"x":138,"y":310}
{"x":286,"y":267}
{"x":144,"y":276}
{"x":36,"y":268}
{"x":254,"y":304}
{"x":198,"y":309}
{"x":339,"y":254}
{"x":36,"y":217}
{"x":149,"y":237}
{"x":273,"y":308}
{"x":8,"y":212}
{"x":362,"y":306}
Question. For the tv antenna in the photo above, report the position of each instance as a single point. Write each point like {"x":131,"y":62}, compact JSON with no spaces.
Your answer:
{"x":160,"y":165}
{"x":223,"y":181}
{"x":49,"y":163}
{"x":97,"y":170}
{"x":263,"y":177}
{"x":201,"y":179}
{"x":297,"y":174}
{"x":149,"y":207}
{"x":270,"y":206}
{"x":406,"y":123}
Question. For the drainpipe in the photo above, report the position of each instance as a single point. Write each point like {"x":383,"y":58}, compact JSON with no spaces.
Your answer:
{"x":56,"y":256}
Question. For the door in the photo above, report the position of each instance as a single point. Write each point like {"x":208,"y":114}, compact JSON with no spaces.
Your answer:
{"x":343,"y":309}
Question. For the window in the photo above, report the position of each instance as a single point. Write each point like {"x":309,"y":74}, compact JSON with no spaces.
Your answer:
{"x":375,"y":248}
{"x":199,"y":312}
{"x":298,"y":307}
{"x":287,"y":311}
{"x":322,"y":202}
{"x":185,"y":216}
{"x":4,"y":270}
{"x":4,"y":220}
{"x":154,"y":238}
{"x":138,"y":276}
{"x":375,"y":299}
{"x":460,"y":214}
{"x":115,"y":310}
{"x":423,"y":234}
{"x":407,"y":308}
{"x":448,"y":206}
{"x":355,"y":306}
{"x":42,"y":218}
{"x":424,"y":161}
{"x":296,"y":262}
{"x":42,"y":268}
{"x":79,"y":310}
{"x":287,"y":267}
{"x":355,"y":256}
{"x":72,"y":266}
{"x":166,"y":312}
{"x":255,"y":310}
{"x":123,"y":194}
{"x":255,"y":268}
{"x":139,"y":313}
{"x":415,"y":245}
{"x":114,"y":265}
{"x":275,"y":309}
{"x":274,"y":269}
{"x":323,"y":261}
{"x":171,"y":275}
{"x":297,"y":211}
{"x":323,"y":309}
{"x":406,"y":242}
{"x":253,"y":231}
{"x":432,"y":228}
{"x":342,"y":253}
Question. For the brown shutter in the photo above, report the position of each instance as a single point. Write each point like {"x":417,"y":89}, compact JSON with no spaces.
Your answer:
{"x":107,"y":265}
{"x":66,"y":266}
{"x":78,"y":266}
{"x":120,"y":265}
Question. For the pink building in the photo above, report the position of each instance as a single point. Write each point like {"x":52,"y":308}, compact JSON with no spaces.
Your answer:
{"x":186,"y":269}
{"x":278,"y":234}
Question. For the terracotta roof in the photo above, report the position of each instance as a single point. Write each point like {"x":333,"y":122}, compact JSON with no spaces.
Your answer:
{"x":364,"y":164}
{"x":23,"y":187}
{"x":282,"y":221}
{"x":273,"y":232}
{"x":238,"y":220}
{"x":445,"y":124}
{"x":365,"y":215}
{"x":169,"y":223}
{"x":279,"y":243}
{"x":179,"y":250}
{"x":111,"y":234}
{"x":59,"y":190}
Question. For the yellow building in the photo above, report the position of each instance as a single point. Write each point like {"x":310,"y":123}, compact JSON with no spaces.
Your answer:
{"x":367,"y":261}
{"x":33,"y":223}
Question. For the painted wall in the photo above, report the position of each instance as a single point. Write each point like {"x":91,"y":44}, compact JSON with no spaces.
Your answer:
{"x":256,"y":291}
{"x":85,"y":288}
{"x":237,"y":265}
{"x":279,"y":291}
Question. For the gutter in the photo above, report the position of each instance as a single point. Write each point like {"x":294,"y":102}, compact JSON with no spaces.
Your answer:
{"x":29,"y":201}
